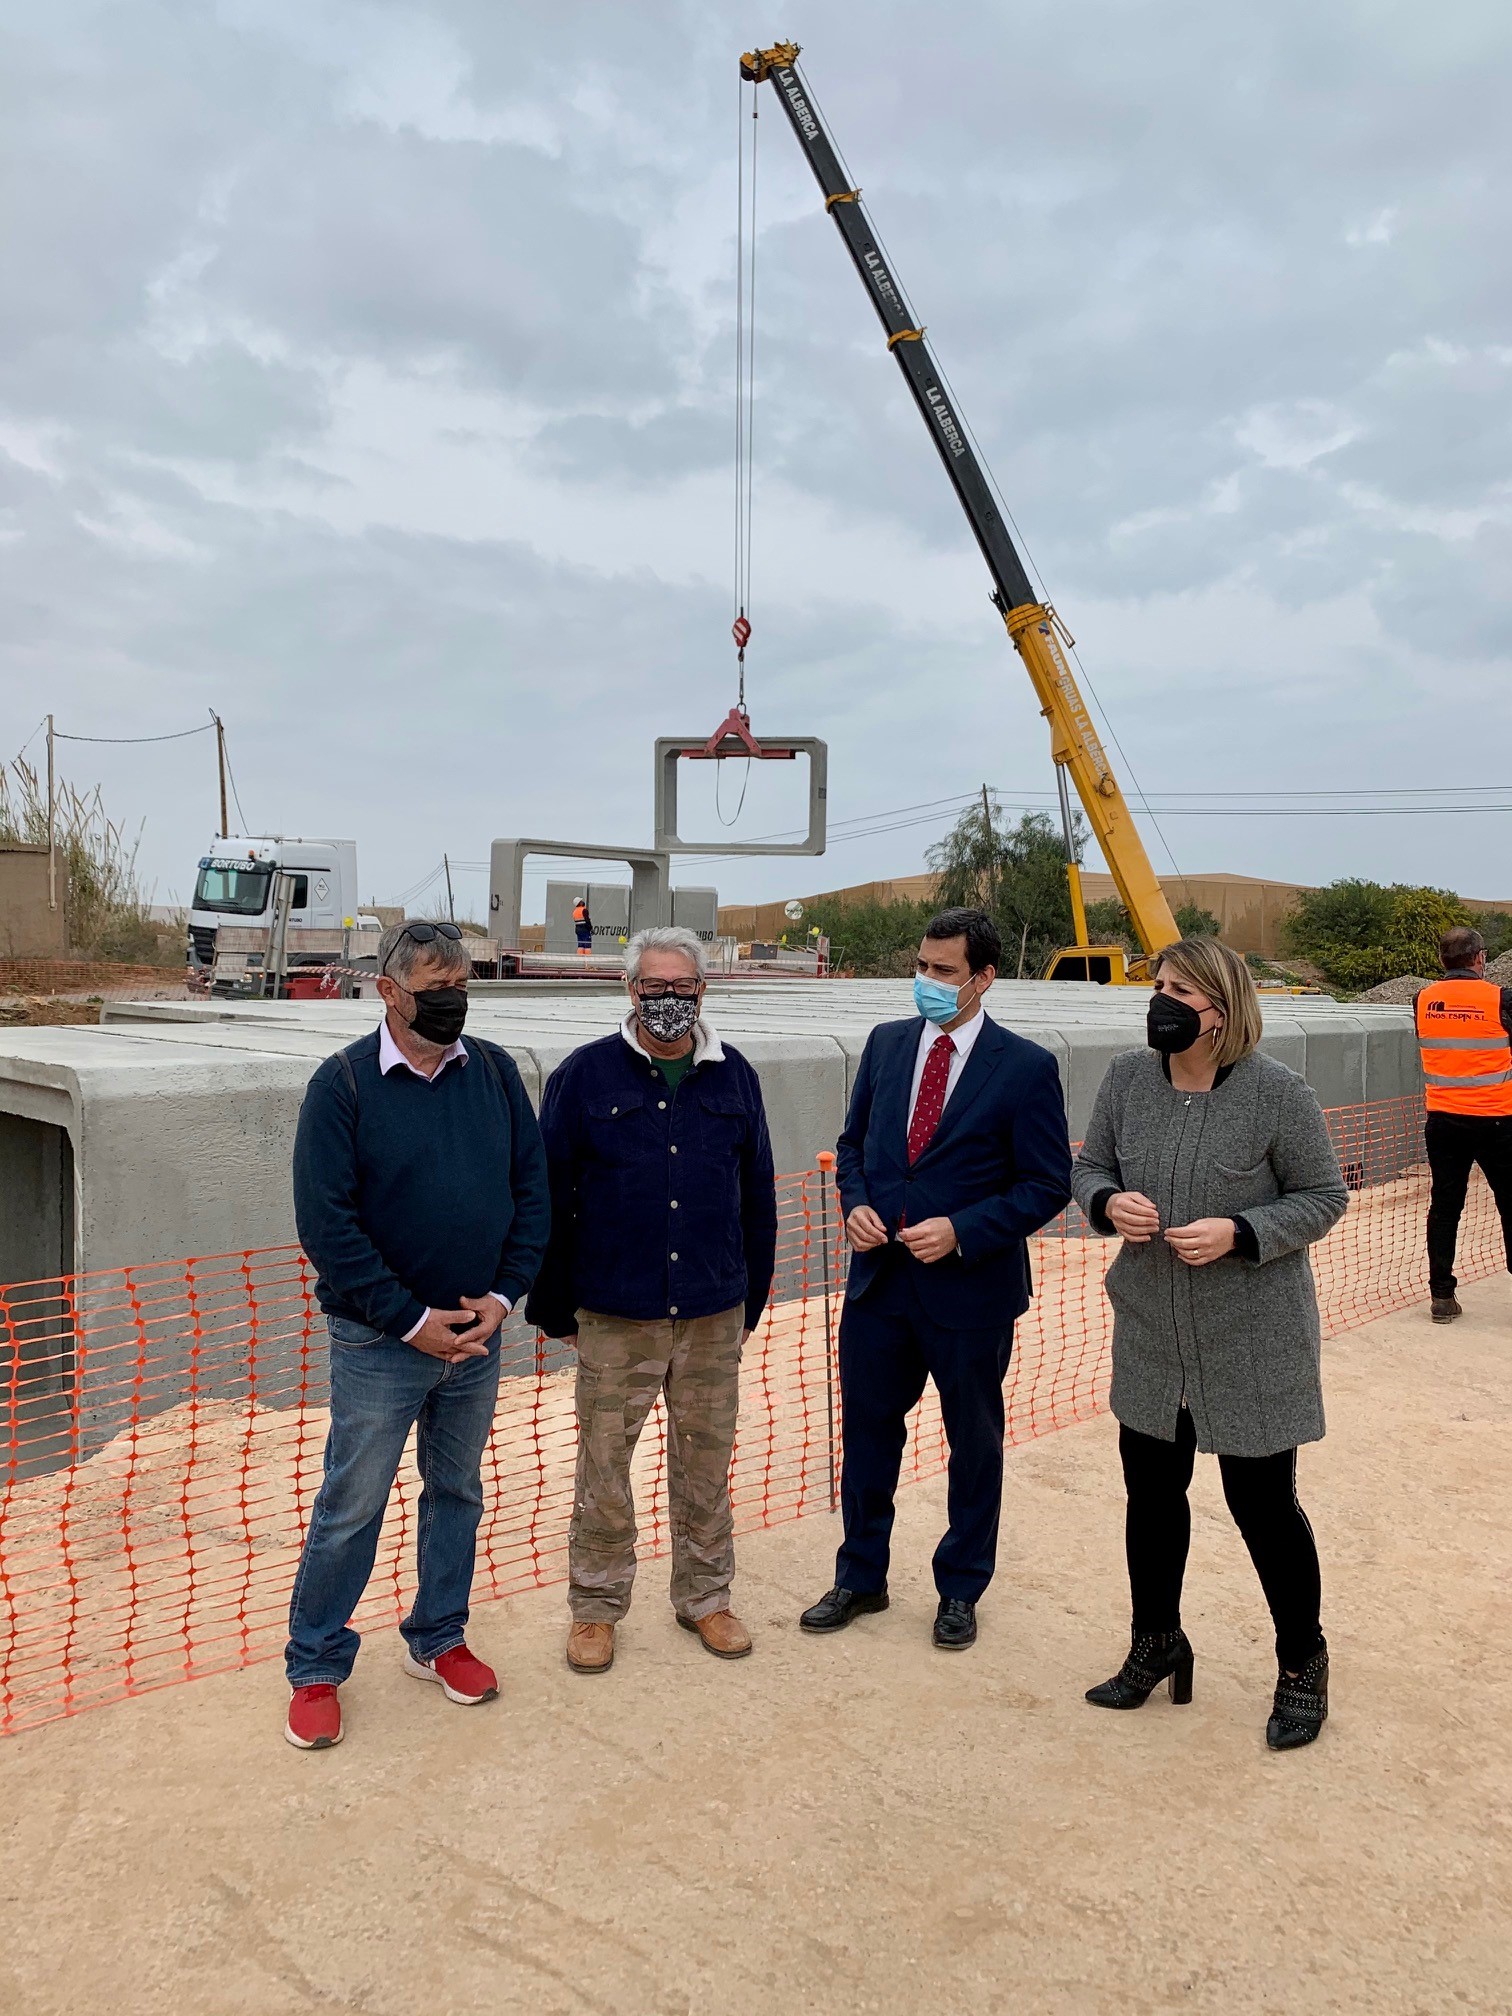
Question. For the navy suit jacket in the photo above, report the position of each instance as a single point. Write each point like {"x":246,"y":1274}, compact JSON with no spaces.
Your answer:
{"x":999,"y":1167}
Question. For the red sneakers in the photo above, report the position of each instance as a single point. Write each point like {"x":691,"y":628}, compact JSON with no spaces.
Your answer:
{"x":314,"y":1718}
{"x":463,"y":1679}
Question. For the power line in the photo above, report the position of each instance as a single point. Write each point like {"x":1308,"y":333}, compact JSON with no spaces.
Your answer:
{"x":182,"y":735}
{"x":1369,"y":791}
{"x":231,"y":778}
{"x":419,"y":888}
{"x":29,"y":740}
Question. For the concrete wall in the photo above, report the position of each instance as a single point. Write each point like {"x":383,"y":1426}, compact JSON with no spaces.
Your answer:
{"x":167,"y":1132}
{"x":29,"y":929}
{"x":181,"y":1115}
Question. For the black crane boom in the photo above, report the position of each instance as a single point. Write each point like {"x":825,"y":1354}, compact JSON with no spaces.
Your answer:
{"x":906,"y":341}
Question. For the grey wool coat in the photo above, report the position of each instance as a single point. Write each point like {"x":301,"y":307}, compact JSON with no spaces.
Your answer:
{"x":1235,"y":1341}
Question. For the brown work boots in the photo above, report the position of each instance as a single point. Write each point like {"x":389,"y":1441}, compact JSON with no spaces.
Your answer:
{"x":722,"y":1633}
{"x":590,"y":1647}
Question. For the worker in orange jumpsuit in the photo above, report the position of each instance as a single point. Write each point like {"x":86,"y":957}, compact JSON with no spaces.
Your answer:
{"x":1464,"y":1029}
{"x":582,"y":923}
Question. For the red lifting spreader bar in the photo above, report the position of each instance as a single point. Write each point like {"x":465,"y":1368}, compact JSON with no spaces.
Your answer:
{"x":733,"y":737}
{"x":735,"y":729}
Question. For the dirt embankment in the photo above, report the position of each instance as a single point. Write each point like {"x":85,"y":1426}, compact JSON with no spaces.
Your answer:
{"x":50,"y":993}
{"x":46,"y":1012}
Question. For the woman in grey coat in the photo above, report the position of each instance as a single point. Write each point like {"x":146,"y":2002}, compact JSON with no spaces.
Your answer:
{"x":1213,"y":1164}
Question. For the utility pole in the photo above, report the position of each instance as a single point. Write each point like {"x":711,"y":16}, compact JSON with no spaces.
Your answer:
{"x":451,"y":908}
{"x":987,"y":838}
{"x":220,"y":757}
{"x":52,"y":823}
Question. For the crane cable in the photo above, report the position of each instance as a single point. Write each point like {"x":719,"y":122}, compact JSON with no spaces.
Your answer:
{"x":745,"y":398}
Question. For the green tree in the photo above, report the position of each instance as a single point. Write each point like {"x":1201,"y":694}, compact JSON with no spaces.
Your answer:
{"x":1108,"y":923}
{"x":1348,"y":915}
{"x":1495,"y":926}
{"x":1017,"y":874}
{"x":1419,"y":918}
{"x":1192,"y":921}
{"x":1360,"y":933}
{"x":876,"y":941}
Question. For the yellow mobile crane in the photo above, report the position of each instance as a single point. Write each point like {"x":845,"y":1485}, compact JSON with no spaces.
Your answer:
{"x":1038,"y":635}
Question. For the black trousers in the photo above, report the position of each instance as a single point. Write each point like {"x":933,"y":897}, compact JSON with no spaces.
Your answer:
{"x":1262,"y":1495}
{"x":1456,"y":1142}
{"x":889,"y":1346}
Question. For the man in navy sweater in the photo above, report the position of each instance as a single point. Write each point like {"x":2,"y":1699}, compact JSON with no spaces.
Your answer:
{"x":954,"y":1153}
{"x":421,"y":1197}
{"x":663,"y":1241}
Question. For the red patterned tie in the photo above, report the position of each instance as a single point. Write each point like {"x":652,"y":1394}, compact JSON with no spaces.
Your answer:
{"x":931,"y":1101}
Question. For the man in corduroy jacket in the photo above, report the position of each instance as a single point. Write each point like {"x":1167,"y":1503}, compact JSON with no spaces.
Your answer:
{"x":664,"y":1236}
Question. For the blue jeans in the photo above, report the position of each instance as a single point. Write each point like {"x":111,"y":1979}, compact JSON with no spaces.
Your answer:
{"x":380,"y":1389}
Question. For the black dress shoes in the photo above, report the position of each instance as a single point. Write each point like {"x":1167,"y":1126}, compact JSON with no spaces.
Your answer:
{"x":841,"y":1607}
{"x":955,"y":1624}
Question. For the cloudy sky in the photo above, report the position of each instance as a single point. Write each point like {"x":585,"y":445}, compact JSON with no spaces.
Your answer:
{"x":367,"y":375}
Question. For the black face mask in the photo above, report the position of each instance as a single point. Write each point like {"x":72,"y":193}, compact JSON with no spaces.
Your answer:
{"x":439,"y":1013}
{"x":1171,"y":1026}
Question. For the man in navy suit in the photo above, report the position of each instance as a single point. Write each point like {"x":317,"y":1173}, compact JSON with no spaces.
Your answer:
{"x":954,"y":1152}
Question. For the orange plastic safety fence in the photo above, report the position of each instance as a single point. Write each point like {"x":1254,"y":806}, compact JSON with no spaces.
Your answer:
{"x":161,"y":1427}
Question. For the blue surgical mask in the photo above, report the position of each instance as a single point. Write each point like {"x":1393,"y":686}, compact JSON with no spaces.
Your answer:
{"x":935,"y":1001}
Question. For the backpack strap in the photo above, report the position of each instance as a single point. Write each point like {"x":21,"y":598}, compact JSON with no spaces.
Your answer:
{"x":485,"y":1050}
{"x":343,"y":1058}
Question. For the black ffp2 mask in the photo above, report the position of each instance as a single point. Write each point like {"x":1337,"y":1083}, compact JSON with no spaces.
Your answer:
{"x":439,"y":1013}
{"x":1171,"y":1026}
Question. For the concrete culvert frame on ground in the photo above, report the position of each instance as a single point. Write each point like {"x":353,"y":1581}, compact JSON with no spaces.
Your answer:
{"x":180,"y":1114}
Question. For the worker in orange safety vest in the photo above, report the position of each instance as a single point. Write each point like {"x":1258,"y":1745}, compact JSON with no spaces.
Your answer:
{"x":1464,"y":1030}
{"x":582,"y":924}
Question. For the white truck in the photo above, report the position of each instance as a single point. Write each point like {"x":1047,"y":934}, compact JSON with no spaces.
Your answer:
{"x":235,"y":885}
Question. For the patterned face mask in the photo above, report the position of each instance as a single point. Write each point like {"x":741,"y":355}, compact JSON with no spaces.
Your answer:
{"x":668,"y":1019}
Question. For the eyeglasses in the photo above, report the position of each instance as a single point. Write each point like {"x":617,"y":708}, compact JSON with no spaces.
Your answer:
{"x":658,"y":990}
{"x":425,"y":934}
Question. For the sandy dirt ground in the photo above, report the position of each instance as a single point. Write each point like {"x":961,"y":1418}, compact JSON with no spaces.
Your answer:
{"x":859,"y":1823}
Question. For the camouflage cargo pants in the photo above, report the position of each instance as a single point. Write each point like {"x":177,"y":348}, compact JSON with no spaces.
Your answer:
{"x":622,"y":1366}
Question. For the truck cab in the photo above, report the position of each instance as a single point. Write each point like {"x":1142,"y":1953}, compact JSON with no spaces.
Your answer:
{"x":234,"y":885}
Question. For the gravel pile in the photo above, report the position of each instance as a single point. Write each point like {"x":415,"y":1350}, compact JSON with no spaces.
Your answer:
{"x":1402,"y":991}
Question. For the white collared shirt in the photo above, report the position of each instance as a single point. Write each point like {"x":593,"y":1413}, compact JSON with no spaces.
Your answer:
{"x":392,"y":1058}
{"x":962,"y":1038}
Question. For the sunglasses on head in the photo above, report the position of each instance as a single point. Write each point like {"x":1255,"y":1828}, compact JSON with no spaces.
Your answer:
{"x":425,"y":934}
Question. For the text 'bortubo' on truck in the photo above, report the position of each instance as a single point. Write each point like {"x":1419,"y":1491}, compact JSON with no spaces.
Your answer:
{"x":272,"y":886}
